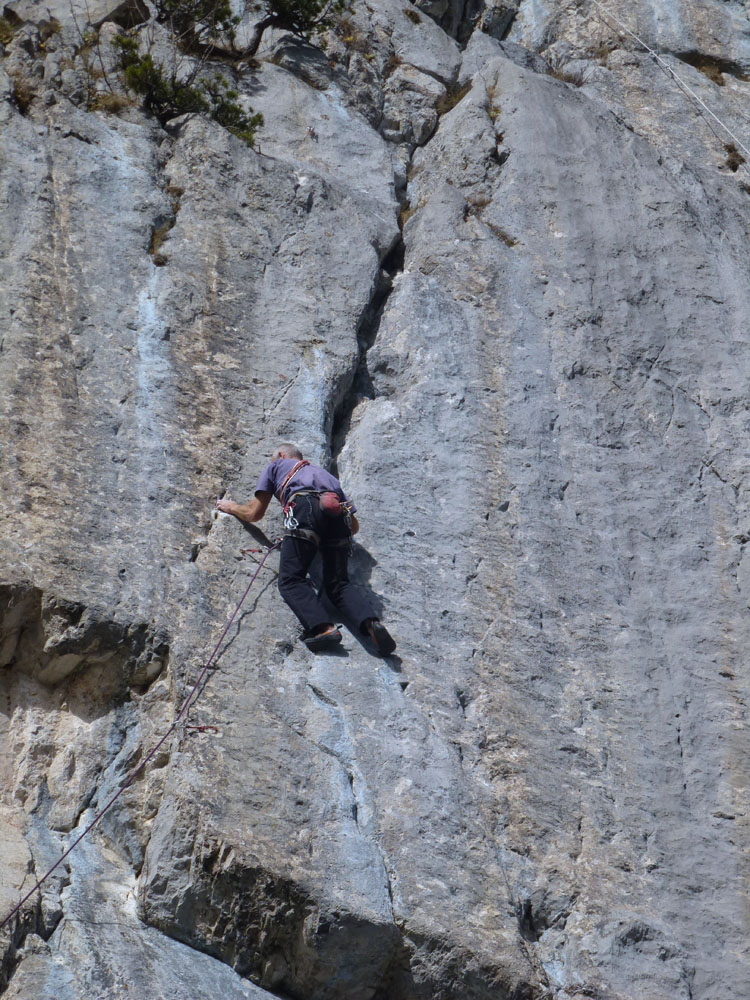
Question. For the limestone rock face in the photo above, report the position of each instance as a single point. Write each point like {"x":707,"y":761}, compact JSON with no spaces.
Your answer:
{"x":490,"y":265}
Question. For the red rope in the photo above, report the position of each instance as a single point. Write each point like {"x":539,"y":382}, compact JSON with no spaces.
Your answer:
{"x":186,"y":704}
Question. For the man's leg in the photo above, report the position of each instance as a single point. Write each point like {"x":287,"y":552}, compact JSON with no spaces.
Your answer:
{"x":350,"y":599}
{"x":294,"y":586}
{"x":341,"y":591}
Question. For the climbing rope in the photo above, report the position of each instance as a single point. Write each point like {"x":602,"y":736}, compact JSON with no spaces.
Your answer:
{"x":676,"y":77}
{"x":191,"y":698}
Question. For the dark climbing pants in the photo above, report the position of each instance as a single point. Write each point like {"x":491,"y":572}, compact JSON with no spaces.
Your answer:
{"x":297,"y":555}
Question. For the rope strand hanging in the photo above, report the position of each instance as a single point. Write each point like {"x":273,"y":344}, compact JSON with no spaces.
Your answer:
{"x":685,"y":87}
{"x":189,"y":700}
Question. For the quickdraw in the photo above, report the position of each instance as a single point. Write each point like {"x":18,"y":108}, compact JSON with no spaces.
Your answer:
{"x":290,"y":521}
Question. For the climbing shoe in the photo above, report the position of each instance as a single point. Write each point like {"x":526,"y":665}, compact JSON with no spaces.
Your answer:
{"x":380,"y":635}
{"x":326,"y":639}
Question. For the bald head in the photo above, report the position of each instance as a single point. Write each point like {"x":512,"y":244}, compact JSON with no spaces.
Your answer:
{"x":287,"y":451}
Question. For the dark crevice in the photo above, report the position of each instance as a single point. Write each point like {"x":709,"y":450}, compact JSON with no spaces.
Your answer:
{"x":525,"y":918}
{"x":464,"y":700}
{"x":159,"y":230}
{"x":713,"y":67}
{"x":455,"y":93}
{"x":128,"y":15}
{"x":31,"y":919}
{"x":508,"y":25}
{"x":22,"y":94}
{"x":355,"y":804}
{"x":393,"y":262}
{"x":361,"y":385}
{"x":460,"y":24}
{"x":162,"y":226}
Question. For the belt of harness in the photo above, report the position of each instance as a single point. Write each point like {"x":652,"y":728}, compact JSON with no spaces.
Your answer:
{"x":292,"y":525}
{"x":308,"y":535}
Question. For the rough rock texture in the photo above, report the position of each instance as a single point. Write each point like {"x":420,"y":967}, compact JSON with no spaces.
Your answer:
{"x":491,"y":265}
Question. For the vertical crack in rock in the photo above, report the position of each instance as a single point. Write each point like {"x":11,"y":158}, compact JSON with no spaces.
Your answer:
{"x":348,"y":768}
{"x":480,"y":186}
{"x":162,"y":225}
{"x":361,"y":386}
{"x":411,"y":941}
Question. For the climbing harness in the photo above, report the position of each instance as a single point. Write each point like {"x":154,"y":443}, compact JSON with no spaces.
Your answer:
{"x":330,"y":504}
{"x":682,"y":85}
{"x":290,"y":521}
{"x":191,"y":698}
{"x":295,"y":469}
{"x":329,"y":501}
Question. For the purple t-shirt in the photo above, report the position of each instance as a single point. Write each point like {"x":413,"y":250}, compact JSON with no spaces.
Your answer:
{"x":309,"y":477}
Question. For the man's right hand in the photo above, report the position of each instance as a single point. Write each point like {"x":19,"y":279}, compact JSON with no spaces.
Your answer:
{"x":247,"y":512}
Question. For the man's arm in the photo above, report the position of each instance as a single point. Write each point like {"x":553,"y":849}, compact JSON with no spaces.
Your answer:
{"x":247,"y":512}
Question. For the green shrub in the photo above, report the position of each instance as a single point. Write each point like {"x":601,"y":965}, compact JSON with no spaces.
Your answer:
{"x":191,"y":21}
{"x":8,"y":27}
{"x":166,"y":97}
{"x":224,"y":109}
{"x":304,"y":18}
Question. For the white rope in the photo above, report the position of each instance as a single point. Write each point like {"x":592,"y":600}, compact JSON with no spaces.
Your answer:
{"x":668,"y":68}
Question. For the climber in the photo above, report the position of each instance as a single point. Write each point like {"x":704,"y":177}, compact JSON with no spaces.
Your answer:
{"x":317,"y":516}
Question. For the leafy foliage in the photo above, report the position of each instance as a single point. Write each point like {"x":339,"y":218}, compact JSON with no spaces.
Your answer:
{"x":7,"y":29}
{"x":163,"y":95}
{"x":205,"y":29}
{"x":305,"y":17}
{"x":167,"y":97}
{"x":301,"y":17}
{"x":224,"y":109}
{"x":191,"y":20}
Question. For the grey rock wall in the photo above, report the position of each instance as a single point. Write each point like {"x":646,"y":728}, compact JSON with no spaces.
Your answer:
{"x":491,"y":264}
